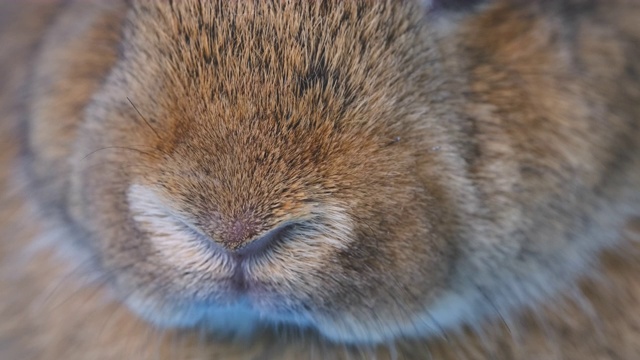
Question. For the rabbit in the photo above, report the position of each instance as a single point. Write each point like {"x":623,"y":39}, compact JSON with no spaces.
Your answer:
{"x":360,"y":179}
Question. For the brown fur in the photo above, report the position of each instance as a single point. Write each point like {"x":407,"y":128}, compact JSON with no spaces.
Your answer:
{"x":400,"y":158}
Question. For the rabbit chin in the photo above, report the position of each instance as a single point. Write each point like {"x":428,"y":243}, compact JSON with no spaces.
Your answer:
{"x":243,"y":321}
{"x":238,"y":320}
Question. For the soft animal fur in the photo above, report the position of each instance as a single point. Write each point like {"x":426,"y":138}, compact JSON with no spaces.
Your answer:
{"x":265,"y":179}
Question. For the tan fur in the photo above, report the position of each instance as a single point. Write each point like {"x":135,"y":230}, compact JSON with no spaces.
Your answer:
{"x":438,"y":181}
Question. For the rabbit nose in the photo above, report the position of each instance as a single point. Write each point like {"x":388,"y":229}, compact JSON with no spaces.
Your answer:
{"x":244,"y":236}
{"x":237,"y":233}
{"x":261,"y":243}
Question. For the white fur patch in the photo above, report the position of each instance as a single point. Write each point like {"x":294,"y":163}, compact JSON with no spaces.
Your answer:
{"x":173,"y":239}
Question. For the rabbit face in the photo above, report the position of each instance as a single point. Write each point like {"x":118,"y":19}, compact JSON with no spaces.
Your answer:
{"x":356,"y":168}
{"x":241,"y":172}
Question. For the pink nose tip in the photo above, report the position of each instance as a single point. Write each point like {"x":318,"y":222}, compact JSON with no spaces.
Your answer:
{"x":238,"y":232}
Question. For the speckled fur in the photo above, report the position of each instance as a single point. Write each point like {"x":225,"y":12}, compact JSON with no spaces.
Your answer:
{"x":445,"y":179}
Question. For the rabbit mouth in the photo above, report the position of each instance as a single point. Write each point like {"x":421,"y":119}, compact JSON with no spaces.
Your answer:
{"x":291,"y":275}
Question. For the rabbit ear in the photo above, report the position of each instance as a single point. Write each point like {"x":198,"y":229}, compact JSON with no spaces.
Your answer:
{"x":452,"y":4}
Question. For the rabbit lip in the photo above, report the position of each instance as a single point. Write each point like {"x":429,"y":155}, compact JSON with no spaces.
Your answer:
{"x":238,"y":280}
{"x":243,"y":257}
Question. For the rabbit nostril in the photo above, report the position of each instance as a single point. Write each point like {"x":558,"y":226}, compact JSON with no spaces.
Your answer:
{"x":263,"y":242}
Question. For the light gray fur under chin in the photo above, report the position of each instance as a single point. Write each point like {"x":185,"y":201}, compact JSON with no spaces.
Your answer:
{"x":233,"y":321}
